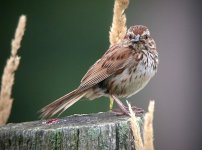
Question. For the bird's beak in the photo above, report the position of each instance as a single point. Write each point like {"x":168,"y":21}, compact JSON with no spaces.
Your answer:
{"x":136,"y":38}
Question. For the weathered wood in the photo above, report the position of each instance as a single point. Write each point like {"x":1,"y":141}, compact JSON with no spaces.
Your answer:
{"x":102,"y":131}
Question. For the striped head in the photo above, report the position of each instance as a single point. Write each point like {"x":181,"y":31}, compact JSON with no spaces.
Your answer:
{"x":140,"y":38}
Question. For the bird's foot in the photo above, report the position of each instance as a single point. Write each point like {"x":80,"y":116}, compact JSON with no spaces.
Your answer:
{"x":123,"y":110}
{"x":120,"y":112}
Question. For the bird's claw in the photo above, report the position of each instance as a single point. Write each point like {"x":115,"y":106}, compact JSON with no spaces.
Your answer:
{"x":136,"y":110}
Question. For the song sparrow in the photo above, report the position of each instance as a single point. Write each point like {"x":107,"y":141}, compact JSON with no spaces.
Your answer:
{"x":122,"y":71}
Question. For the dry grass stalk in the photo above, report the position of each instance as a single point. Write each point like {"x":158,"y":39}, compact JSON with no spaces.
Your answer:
{"x":118,"y":28}
{"x":148,"y":128}
{"x":135,"y":129}
{"x":8,"y":74}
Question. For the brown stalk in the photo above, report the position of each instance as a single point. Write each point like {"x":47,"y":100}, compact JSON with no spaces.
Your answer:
{"x":9,"y":73}
{"x":135,"y":129}
{"x":118,"y":28}
{"x":148,"y":128}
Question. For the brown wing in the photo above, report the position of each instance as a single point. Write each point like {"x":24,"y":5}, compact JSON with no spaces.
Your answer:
{"x":116,"y":58}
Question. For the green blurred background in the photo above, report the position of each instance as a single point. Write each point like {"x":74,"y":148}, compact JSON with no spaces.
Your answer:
{"x":64,"y":38}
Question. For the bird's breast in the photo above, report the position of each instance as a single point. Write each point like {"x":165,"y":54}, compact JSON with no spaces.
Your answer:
{"x":133,"y":78}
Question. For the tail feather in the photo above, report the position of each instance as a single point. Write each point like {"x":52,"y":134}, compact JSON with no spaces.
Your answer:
{"x":61,"y":104}
{"x":70,"y":103}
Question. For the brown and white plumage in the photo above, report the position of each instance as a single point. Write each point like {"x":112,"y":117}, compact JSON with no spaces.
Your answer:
{"x":122,"y":71}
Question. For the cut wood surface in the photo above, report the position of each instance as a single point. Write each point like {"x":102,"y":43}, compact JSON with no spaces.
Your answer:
{"x":101,"y":131}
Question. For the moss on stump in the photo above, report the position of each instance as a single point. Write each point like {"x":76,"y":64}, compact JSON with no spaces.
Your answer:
{"x":101,"y":131}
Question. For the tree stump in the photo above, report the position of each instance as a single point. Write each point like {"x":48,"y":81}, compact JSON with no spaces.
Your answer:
{"x":101,"y":131}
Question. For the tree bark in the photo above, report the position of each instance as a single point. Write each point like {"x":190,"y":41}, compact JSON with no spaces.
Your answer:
{"x":101,"y":131}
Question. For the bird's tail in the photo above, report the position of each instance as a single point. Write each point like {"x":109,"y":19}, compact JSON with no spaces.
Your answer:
{"x":61,"y":104}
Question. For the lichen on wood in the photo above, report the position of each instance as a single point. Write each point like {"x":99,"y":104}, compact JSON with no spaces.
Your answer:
{"x":102,"y":131}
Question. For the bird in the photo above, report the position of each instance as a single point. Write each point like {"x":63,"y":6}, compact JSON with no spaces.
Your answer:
{"x":123,"y":70}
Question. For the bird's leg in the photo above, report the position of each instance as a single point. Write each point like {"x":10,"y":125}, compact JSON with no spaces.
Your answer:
{"x":121,"y":105}
{"x":124,"y":109}
{"x":111,"y":102}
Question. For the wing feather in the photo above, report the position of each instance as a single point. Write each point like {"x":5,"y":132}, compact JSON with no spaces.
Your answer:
{"x":113,"y":60}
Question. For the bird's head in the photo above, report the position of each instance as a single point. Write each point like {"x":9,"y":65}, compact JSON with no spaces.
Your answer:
{"x":139,"y":38}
